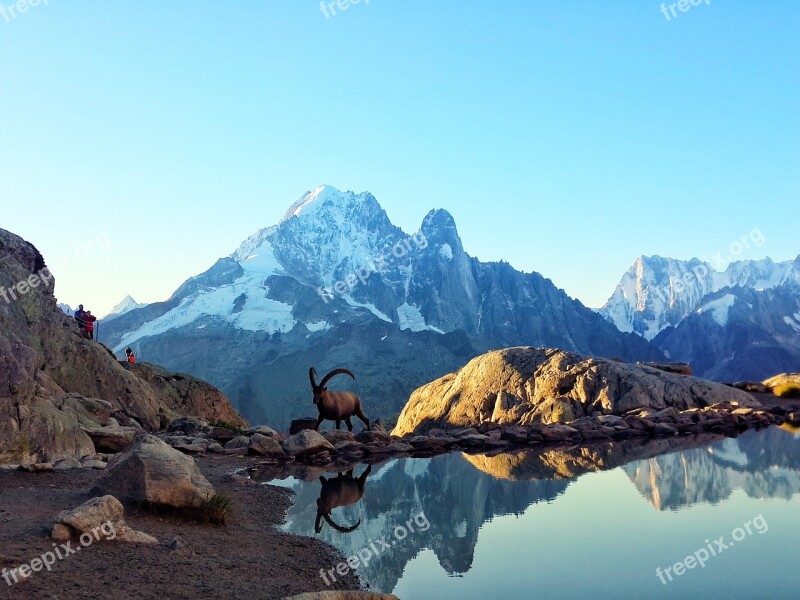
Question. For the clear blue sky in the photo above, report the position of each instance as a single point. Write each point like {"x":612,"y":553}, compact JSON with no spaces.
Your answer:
{"x":565,"y":137}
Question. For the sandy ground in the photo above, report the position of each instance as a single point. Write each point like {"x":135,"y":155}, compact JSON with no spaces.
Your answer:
{"x":248,"y":558}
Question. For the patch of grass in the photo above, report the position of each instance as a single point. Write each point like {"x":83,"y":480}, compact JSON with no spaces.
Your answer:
{"x":226,"y":425}
{"x":787,"y":390}
{"x":23,"y":449}
{"x":217,"y":509}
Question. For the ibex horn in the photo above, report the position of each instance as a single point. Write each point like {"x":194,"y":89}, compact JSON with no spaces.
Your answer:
{"x":333,"y":374}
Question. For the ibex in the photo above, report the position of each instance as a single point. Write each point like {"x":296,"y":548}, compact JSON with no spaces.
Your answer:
{"x":342,"y":490}
{"x":335,"y":406}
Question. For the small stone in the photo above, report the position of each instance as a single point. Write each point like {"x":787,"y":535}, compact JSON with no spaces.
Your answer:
{"x":473,"y":440}
{"x":61,"y":533}
{"x":179,"y":547}
{"x":263,"y":430}
{"x":335,"y":436}
{"x":94,"y":464}
{"x":299,"y":425}
{"x":664,"y":429}
{"x":367,"y":437}
{"x":240,"y":441}
{"x":68,"y":463}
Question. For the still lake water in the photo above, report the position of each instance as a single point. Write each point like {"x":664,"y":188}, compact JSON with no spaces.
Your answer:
{"x":576,"y":523}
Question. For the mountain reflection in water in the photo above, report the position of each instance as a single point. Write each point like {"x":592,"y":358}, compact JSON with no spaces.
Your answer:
{"x":466,"y":495}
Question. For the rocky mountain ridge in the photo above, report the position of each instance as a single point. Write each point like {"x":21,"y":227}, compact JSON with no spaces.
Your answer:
{"x":336,"y":284}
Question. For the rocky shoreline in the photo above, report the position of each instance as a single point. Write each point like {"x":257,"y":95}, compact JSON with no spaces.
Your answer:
{"x":340,"y":450}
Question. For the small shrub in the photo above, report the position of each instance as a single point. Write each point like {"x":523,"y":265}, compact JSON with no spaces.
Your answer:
{"x":787,"y":390}
{"x":217,"y":509}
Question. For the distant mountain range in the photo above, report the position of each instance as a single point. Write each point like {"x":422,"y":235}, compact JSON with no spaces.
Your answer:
{"x":336,"y":284}
{"x":743,"y":323}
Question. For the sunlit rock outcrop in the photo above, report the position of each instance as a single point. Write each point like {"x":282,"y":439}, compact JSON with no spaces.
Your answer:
{"x":528,"y":385}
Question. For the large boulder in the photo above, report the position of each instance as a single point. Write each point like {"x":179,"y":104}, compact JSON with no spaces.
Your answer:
{"x":526,"y":385}
{"x":785,"y":384}
{"x":102,"y":518}
{"x":306,"y":442}
{"x":265,"y":446}
{"x":153,"y":472}
{"x":188,"y":395}
{"x":53,"y":381}
{"x":112,"y":438}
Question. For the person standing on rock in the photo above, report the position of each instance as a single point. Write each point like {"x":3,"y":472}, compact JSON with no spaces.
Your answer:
{"x":89,"y":320}
{"x":80,"y":318}
{"x":131,"y":356}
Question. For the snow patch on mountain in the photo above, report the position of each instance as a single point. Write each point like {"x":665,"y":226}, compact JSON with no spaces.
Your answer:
{"x":794,"y":323}
{"x":719,"y":308}
{"x":370,"y":307}
{"x":411,"y":318}
{"x":318,"y":326}
{"x":259,"y":258}
{"x":259,"y":313}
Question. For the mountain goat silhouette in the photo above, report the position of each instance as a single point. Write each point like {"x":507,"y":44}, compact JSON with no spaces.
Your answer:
{"x":335,"y":406}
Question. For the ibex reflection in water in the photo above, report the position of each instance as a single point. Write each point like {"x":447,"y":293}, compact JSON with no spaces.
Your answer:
{"x":335,"y":406}
{"x":342,"y":490}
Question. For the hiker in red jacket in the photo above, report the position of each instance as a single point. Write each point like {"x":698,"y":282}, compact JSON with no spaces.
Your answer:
{"x":89,"y":320}
{"x":131,"y":356}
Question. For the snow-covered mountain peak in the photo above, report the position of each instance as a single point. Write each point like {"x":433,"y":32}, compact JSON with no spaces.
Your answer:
{"x":327,"y":199}
{"x":309,"y":201}
{"x":126,"y":305}
{"x":657,"y":292}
